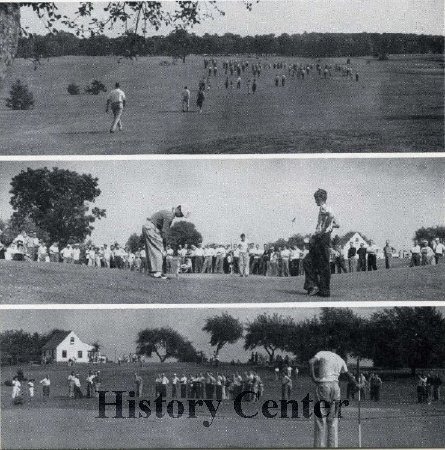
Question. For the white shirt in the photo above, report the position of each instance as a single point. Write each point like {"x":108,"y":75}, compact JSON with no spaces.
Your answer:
{"x":325,"y":220}
{"x":372,"y":249}
{"x":243,"y":246}
{"x":439,"y":249}
{"x":54,"y":249}
{"x":285,"y":254}
{"x":330,"y":366}
{"x":45,"y":382}
{"x":67,"y":252}
{"x":116,"y":96}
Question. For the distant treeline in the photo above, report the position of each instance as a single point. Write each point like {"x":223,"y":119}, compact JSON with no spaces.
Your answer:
{"x":181,"y":43}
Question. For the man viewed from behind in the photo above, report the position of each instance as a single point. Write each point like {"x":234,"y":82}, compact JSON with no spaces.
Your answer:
{"x":325,"y":369}
{"x":117,"y":101}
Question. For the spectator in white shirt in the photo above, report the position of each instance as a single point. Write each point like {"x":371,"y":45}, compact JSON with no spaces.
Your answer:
{"x":439,"y":250}
{"x":415,"y":255}
{"x":54,"y":255}
{"x":67,"y":254}
{"x":243,"y":247}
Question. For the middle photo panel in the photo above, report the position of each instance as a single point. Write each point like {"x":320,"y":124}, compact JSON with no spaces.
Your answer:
{"x":220,"y":231}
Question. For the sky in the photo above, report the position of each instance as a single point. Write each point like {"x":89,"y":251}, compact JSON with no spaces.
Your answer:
{"x":298,"y":16}
{"x":120,"y":338}
{"x":381,"y":198}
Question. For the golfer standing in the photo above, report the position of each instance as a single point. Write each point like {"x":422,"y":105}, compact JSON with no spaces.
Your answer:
{"x":316,"y":263}
{"x":155,"y":234}
{"x":117,"y":100}
{"x":325,"y":369}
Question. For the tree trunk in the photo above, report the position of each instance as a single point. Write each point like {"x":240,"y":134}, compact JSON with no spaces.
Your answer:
{"x":9,"y":36}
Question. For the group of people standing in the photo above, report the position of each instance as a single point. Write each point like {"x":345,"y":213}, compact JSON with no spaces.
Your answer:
{"x":209,"y":386}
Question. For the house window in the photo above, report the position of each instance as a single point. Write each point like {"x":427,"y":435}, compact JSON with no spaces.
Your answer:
{"x":64,"y":354}
{"x":72,"y":340}
{"x":79,"y":354}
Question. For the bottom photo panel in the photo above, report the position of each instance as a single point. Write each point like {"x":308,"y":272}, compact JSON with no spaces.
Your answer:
{"x":213,"y":377}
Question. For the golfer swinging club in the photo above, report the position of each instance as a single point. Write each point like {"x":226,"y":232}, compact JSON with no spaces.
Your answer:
{"x":155,"y":233}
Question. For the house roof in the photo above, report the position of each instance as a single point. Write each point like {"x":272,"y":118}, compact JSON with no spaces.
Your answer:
{"x":347,"y":237}
{"x":55,"y":340}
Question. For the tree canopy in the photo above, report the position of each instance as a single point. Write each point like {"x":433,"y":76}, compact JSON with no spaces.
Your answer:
{"x":270,"y":332}
{"x":407,"y":337}
{"x":183,"y":232}
{"x":430,"y":233}
{"x":223,"y":329}
{"x":58,"y":202}
{"x":165,"y":343}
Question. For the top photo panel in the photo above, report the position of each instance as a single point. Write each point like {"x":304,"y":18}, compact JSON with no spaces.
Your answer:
{"x":222,"y":77}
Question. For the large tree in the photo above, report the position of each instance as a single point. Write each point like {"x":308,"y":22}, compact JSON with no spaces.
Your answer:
{"x":183,"y":232}
{"x":335,"y":328}
{"x":223,"y":329}
{"x":408,"y":337}
{"x":58,"y":201}
{"x":430,"y":233}
{"x":270,"y":332}
{"x":165,"y":343}
{"x":18,"y":346}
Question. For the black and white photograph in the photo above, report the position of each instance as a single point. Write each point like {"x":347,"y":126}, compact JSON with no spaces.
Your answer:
{"x":222,"y":224}
{"x":223,"y":378}
{"x":222,"y":231}
{"x":222,"y":77}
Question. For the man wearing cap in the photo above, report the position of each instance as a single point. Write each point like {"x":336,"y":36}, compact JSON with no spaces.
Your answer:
{"x":117,"y":100}
{"x":316,"y":263}
{"x":155,"y":234}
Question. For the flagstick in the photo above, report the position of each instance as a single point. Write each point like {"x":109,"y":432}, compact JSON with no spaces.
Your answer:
{"x":359,"y":406}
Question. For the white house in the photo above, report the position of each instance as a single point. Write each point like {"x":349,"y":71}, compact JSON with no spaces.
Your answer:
{"x":357,"y":239}
{"x":64,"y":346}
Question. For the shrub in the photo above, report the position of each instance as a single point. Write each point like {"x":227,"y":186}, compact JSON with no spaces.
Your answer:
{"x":95,"y":88}
{"x":21,"y":97}
{"x":73,"y":89}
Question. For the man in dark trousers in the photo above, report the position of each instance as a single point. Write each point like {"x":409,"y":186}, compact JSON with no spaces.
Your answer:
{"x":316,"y":264}
{"x":352,"y":251}
{"x":361,"y":252}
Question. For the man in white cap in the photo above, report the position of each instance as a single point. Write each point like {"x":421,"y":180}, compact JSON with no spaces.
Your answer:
{"x":155,"y":234}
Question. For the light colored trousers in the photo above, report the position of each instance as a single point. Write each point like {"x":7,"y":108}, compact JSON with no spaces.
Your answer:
{"x":117,"y":109}
{"x":244,"y":263}
{"x":326,"y":428}
{"x":154,"y":246}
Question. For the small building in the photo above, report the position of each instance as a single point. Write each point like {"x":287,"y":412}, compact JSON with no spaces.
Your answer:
{"x":356,"y":238}
{"x":64,"y":346}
